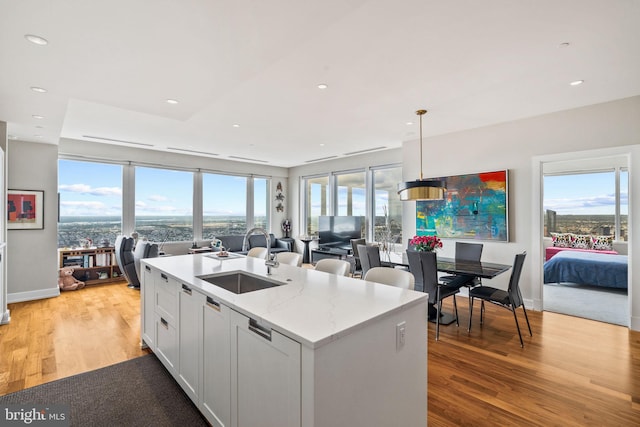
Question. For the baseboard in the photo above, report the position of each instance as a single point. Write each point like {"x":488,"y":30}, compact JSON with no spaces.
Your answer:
{"x":635,"y":323}
{"x":5,"y":317}
{"x":33,"y":295}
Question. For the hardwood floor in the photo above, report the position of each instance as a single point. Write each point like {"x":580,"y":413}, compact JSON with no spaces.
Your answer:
{"x":572,"y":372}
{"x":76,"y":332}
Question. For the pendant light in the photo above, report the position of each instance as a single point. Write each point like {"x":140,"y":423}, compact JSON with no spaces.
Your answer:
{"x":421,"y":189}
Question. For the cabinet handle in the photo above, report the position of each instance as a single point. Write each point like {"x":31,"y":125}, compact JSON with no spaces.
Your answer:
{"x":164,"y":323}
{"x":164,"y":276}
{"x":147,"y":268}
{"x":186,"y":289}
{"x":259,"y":329}
{"x":213,"y":304}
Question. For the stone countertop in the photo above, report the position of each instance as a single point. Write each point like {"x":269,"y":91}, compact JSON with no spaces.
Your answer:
{"x":311,"y":306}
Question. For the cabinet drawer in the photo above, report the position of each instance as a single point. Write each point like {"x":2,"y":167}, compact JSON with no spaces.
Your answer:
{"x":166,"y":343}
{"x":166,"y":298}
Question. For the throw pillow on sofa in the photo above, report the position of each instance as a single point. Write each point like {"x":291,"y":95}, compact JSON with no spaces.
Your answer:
{"x":561,"y":240}
{"x":602,"y":243}
{"x":582,"y":241}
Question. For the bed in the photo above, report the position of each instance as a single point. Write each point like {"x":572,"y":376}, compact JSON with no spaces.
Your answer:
{"x":587,"y":268}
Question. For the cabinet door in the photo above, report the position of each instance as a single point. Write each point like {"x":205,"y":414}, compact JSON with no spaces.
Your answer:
{"x":147,"y":306}
{"x":166,"y":343}
{"x":216,"y":365}
{"x":190,"y":341}
{"x":265,"y":380}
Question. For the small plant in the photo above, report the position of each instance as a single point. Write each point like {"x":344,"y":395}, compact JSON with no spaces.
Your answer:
{"x":426,"y":243}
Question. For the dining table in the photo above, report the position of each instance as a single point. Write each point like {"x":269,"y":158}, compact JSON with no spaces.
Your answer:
{"x":482,"y":269}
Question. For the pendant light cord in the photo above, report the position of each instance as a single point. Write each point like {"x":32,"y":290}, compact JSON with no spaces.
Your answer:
{"x":421,"y":113}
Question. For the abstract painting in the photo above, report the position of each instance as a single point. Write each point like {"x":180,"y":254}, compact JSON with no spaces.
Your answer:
{"x":475,"y":207}
{"x":25,"y":209}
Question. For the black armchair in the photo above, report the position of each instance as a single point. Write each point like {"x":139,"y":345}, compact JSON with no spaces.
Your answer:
{"x":143,"y":250}
{"x":125,"y":260}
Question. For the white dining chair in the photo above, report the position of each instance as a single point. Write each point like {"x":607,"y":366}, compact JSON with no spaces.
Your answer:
{"x":391,"y":276}
{"x":290,"y":258}
{"x":334,"y":266}
{"x":258,"y":252}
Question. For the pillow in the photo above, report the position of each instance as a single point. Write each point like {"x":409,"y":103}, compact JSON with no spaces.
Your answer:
{"x":582,"y":241}
{"x":561,"y":240}
{"x":602,"y":243}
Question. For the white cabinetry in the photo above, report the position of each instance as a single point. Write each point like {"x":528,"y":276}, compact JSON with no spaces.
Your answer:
{"x":148,"y":309}
{"x":191,"y":305}
{"x":166,"y":320}
{"x":265,"y":376}
{"x":216,"y":364}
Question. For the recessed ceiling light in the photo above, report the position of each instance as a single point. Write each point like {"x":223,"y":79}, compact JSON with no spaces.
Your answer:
{"x":565,"y":44}
{"x":39,"y":127}
{"x":321,"y":144}
{"x":409,"y":123}
{"x":323,"y":86}
{"x":12,"y":137}
{"x":37,"y":116}
{"x":576,"y":82}
{"x":235,"y":125}
{"x":38,"y":136}
{"x":36,"y":39}
{"x":38,"y":89}
{"x":171,"y":101}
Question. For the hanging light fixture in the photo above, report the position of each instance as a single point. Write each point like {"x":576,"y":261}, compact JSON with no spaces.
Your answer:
{"x":421,"y":189}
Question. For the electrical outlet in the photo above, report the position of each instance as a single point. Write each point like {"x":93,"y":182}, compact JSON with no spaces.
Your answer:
{"x":400,"y":335}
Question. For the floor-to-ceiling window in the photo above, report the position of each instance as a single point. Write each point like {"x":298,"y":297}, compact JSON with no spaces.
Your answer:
{"x":317,"y":201}
{"x":90,"y":202}
{"x":224,"y":205}
{"x":261,"y":203}
{"x":164,"y":204}
{"x":370,"y":192}
{"x":387,"y":207}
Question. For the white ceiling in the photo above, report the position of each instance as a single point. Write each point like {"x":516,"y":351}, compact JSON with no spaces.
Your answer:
{"x":109,"y":67}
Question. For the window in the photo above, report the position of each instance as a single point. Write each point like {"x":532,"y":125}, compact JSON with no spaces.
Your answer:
{"x":261,"y":203}
{"x":224,"y":205}
{"x":316,"y":201}
{"x":351,"y":194}
{"x":90,"y":202}
{"x":164,"y":204}
{"x":387,"y":206}
{"x":587,"y":203}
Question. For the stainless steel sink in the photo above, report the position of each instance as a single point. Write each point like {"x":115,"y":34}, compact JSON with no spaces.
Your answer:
{"x":240,"y":282}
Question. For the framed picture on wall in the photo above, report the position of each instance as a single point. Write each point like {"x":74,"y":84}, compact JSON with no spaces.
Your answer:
{"x":25,"y":210}
{"x":475,"y":207}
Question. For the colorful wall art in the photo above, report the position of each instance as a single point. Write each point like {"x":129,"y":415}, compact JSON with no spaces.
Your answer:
{"x":475,"y":207}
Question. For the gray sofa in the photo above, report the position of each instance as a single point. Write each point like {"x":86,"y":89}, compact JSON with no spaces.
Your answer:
{"x":234,"y":243}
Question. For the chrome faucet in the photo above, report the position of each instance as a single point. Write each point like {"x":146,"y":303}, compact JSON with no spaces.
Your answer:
{"x":272,"y":260}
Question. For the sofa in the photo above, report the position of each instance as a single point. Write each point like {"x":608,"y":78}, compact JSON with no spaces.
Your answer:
{"x":234,"y":243}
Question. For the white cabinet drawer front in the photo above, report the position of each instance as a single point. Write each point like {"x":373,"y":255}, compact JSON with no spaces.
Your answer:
{"x":166,"y":343}
{"x":216,"y":388}
{"x":167,"y":303}
{"x":265,"y":358}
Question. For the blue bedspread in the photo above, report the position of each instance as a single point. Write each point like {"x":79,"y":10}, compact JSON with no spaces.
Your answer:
{"x":587,"y":268}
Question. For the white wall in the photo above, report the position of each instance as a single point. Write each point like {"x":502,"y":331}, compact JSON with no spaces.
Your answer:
{"x":4,"y":311}
{"x":512,"y":146}
{"x":32,"y":259}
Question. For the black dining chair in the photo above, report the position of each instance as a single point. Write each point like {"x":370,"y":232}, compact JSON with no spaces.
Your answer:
{"x":510,"y":299}
{"x":424,"y":267}
{"x":357,"y":266}
{"x":466,"y":252}
{"x":369,"y":257}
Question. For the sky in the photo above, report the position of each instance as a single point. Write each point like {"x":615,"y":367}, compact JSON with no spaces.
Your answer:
{"x":585,"y":194}
{"x":95,"y":189}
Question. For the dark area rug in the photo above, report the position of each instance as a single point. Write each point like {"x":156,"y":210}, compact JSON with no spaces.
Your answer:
{"x":138,"y":392}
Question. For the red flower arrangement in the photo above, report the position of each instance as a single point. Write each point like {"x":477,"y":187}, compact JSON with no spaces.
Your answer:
{"x":426,"y":243}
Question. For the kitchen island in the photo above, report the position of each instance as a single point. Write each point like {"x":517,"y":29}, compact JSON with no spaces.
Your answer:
{"x":315,"y":350}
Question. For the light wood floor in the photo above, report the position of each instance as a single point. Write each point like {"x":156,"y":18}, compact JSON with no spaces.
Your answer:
{"x":572,"y":372}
